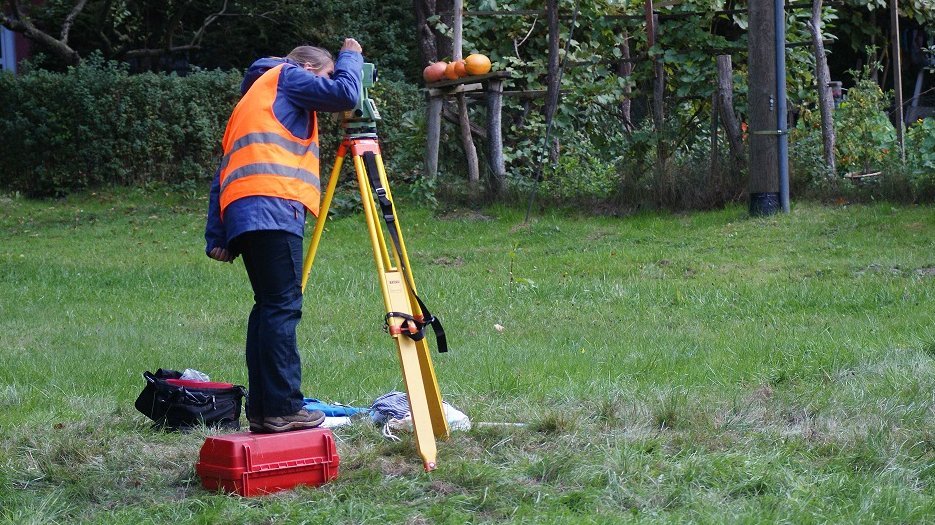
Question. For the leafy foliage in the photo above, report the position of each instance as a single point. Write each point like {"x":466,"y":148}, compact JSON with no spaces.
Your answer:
{"x":919,"y":10}
{"x":97,"y":124}
{"x":597,"y":141}
{"x":920,"y":157}
{"x":603,"y":133}
{"x":232,"y":33}
{"x":864,"y":133}
{"x":866,"y":143}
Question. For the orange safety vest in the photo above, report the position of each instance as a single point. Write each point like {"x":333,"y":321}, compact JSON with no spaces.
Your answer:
{"x":262,"y":157}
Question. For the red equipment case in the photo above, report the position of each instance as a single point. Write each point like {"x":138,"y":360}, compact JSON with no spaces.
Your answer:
{"x":251,"y":464}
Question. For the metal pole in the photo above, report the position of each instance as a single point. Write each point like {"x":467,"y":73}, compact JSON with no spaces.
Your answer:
{"x":781,"y":112}
{"x":897,"y":75}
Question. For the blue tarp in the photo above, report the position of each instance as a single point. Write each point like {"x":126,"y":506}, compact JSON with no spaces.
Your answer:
{"x":332,"y":410}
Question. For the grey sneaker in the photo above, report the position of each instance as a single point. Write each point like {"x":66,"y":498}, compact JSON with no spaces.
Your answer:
{"x":256,"y":425}
{"x":301,"y":420}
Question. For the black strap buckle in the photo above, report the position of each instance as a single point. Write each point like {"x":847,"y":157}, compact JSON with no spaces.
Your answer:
{"x":411,"y":328}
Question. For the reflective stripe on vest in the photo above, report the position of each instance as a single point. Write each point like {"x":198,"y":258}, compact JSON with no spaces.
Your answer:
{"x":262,"y":157}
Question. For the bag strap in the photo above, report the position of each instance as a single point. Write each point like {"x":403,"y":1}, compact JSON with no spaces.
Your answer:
{"x":389,"y":217}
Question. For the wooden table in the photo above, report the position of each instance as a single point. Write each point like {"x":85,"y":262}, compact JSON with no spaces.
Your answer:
{"x":491,"y":84}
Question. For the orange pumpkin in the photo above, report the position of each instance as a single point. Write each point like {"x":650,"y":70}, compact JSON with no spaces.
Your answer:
{"x":450,"y":72}
{"x":460,"y":69}
{"x":434,"y":72}
{"x":477,"y":64}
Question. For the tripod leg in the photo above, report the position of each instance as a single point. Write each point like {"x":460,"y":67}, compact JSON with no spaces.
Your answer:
{"x":411,"y":363}
{"x":429,"y":380}
{"x":322,"y":215}
{"x":423,"y":401}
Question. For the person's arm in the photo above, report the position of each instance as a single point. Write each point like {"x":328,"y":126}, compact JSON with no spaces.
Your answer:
{"x":215,"y":233}
{"x":314,"y":93}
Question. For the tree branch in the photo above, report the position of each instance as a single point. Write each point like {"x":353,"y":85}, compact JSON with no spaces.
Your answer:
{"x":196,"y":40}
{"x":516,"y":45}
{"x":154,"y":52}
{"x":70,"y":19}
{"x":19,"y":21}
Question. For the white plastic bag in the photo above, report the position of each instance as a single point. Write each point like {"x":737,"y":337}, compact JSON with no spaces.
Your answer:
{"x":457,"y":420}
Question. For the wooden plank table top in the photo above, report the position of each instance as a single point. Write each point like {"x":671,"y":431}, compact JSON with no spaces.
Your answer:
{"x":469,"y":79}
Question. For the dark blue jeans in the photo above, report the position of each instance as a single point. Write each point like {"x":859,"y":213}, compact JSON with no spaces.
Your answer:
{"x":273,"y":260}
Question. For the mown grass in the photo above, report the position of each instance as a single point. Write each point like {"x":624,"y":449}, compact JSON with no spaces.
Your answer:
{"x":707,"y":367}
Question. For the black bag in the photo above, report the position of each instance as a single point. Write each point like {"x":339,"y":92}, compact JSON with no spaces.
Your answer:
{"x":182,"y":406}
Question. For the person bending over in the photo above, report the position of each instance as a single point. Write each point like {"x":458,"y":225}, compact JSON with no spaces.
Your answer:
{"x":268,"y":178}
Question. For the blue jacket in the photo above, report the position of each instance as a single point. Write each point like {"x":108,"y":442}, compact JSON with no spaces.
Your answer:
{"x":299,"y":93}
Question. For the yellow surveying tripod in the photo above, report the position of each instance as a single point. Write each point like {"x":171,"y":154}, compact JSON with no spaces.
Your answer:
{"x":406,"y":314}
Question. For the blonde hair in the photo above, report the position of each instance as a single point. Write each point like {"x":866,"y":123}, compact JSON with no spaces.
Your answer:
{"x":317,"y":57}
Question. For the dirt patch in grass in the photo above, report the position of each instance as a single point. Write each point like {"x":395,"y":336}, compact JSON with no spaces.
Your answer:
{"x":464,"y":215}
{"x":761,"y":394}
{"x":457,"y":262}
{"x":601,"y":234}
{"x":396,"y":466}
{"x":444,"y":488}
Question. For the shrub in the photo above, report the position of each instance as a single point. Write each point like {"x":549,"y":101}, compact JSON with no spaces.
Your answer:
{"x":866,"y":142}
{"x":920,"y":159}
{"x":864,"y":135}
{"x":96,"y":125}
{"x":580,"y":174}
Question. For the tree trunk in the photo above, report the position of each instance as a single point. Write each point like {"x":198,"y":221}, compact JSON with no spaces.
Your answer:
{"x":464,"y":120}
{"x":624,"y":70}
{"x":423,"y":9}
{"x":553,"y":79}
{"x":665,"y":186}
{"x":497,"y":180}
{"x":725,"y":89}
{"x":714,"y":179}
{"x":433,"y":44}
{"x":897,"y":77}
{"x":470,"y":151}
{"x":823,"y":78}
{"x":443,"y":45}
{"x":552,"y":87}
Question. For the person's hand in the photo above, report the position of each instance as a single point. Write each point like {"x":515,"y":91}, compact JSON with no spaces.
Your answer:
{"x":220,"y":254}
{"x":351,"y":45}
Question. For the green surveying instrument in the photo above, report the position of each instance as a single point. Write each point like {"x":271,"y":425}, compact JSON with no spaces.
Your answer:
{"x":406,"y":315}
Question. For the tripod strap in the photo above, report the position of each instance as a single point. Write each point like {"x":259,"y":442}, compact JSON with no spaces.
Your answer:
{"x":386,"y":207}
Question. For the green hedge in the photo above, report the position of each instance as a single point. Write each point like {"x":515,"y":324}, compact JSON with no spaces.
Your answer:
{"x":96,"y":124}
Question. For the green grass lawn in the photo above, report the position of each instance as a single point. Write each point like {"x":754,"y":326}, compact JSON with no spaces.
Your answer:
{"x":706,"y":367}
